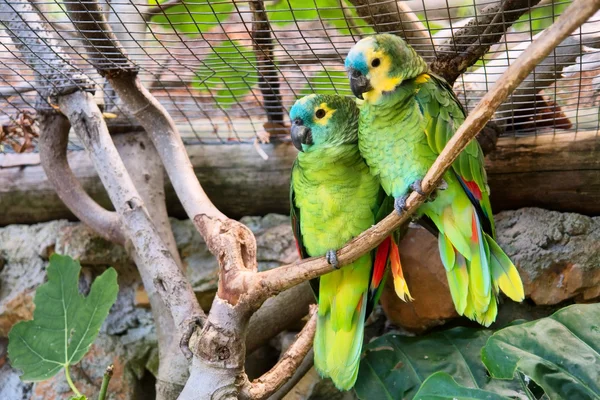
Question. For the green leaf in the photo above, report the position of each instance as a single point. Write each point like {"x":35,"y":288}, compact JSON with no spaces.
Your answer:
{"x":195,"y":16}
{"x":64,"y":323}
{"x":82,"y":397}
{"x":560,"y":353}
{"x":328,"y":11}
{"x":228,"y":73}
{"x":440,"y":386}
{"x":333,"y":82}
{"x":394,"y":367}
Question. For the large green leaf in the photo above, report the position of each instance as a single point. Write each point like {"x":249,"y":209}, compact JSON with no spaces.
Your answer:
{"x":333,"y":82}
{"x":228,"y":73}
{"x":560,"y":353}
{"x":195,"y":16}
{"x":441,"y":386}
{"x":64,"y":324}
{"x":328,"y":11}
{"x":394,"y":367}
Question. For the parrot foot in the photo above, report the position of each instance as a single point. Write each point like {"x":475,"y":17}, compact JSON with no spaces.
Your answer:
{"x":400,"y":204}
{"x":189,"y":325}
{"x":416,"y":187}
{"x":331,"y":258}
{"x":442,"y":186}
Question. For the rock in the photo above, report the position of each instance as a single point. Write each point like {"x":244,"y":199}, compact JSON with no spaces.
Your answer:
{"x":426,"y":278}
{"x":24,"y":250}
{"x":557,"y":254}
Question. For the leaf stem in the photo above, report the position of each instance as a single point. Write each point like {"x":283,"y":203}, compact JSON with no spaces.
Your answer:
{"x":105,"y":381}
{"x":70,"y":382}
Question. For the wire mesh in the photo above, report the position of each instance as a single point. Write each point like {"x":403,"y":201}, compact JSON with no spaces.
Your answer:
{"x":201,"y":59}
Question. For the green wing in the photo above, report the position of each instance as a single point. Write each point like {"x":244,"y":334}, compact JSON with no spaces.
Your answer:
{"x":443,"y":115}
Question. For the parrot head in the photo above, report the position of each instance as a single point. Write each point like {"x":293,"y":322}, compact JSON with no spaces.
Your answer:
{"x":377,"y":64}
{"x":323,"y":121}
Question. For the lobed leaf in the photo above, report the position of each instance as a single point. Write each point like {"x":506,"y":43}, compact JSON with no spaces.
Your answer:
{"x":65,"y":323}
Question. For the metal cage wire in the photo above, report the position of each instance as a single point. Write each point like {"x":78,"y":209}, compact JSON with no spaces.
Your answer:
{"x":200,"y":59}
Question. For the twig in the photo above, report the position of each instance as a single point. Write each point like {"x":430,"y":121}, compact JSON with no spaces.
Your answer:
{"x":300,"y":372}
{"x":577,"y":13}
{"x":267,"y":384}
{"x":105,"y":381}
{"x":54,"y":138}
{"x":268,"y":80}
{"x":471,"y":42}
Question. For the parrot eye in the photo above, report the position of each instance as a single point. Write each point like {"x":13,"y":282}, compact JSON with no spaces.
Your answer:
{"x":320,"y":113}
{"x":375,"y":63}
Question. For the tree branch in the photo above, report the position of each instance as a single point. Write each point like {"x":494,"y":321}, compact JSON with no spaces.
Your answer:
{"x":396,"y":17}
{"x":267,"y":384}
{"x":472,"y":41}
{"x":54,"y":138}
{"x":268,"y":80}
{"x":576,"y":14}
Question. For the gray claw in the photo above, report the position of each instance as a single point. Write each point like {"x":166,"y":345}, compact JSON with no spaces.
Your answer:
{"x":416,"y":187}
{"x":331,"y":258}
{"x":400,"y":204}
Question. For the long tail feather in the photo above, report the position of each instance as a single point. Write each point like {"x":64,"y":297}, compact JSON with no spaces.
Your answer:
{"x":337,"y":352}
{"x":505,"y":274}
{"x":400,"y":284}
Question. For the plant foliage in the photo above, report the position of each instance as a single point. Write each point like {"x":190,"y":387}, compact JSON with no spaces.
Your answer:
{"x":65,"y":323}
{"x":559,"y":354}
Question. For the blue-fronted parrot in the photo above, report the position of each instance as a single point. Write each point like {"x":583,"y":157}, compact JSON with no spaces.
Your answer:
{"x":406,"y":118}
{"x":333,"y":199}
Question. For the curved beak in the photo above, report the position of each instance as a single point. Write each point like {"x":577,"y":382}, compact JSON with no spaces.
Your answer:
{"x":300,"y":135}
{"x":359,"y":83}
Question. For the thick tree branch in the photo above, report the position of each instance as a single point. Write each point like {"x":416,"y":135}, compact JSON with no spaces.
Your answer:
{"x":54,"y":138}
{"x":396,"y":17}
{"x":268,"y":80}
{"x":267,"y":384}
{"x":577,"y":13}
{"x":471,"y":42}
{"x":277,"y":314}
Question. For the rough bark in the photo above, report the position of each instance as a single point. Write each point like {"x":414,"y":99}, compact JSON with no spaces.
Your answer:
{"x":396,"y":17}
{"x":471,"y":42}
{"x":143,"y":164}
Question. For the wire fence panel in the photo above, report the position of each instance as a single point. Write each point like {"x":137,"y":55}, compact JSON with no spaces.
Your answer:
{"x":228,"y":71}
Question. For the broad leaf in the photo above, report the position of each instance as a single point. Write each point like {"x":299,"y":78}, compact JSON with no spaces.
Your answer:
{"x":441,"y":386}
{"x":64,"y":324}
{"x":228,"y":73}
{"x":333,"y":82}
{"x":329,"y":12}
{"x":560,"y":353}
{"x":394,"y":367}
{"x":195,"y":16}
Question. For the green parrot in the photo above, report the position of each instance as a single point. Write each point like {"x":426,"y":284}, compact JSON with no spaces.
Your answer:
{"x":333,"y":199}
{"x":406,"y":118}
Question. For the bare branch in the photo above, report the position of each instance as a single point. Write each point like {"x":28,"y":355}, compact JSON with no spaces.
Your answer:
{"x":268,"y":80}
{"x":396,"y":17}
{"x":54,"y":138}
{"x":267,"y":384}
{"x":475,"y":39}
{"x":577,"y":13}
{"x":15,"y":90}
{"x":277,"y":313}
